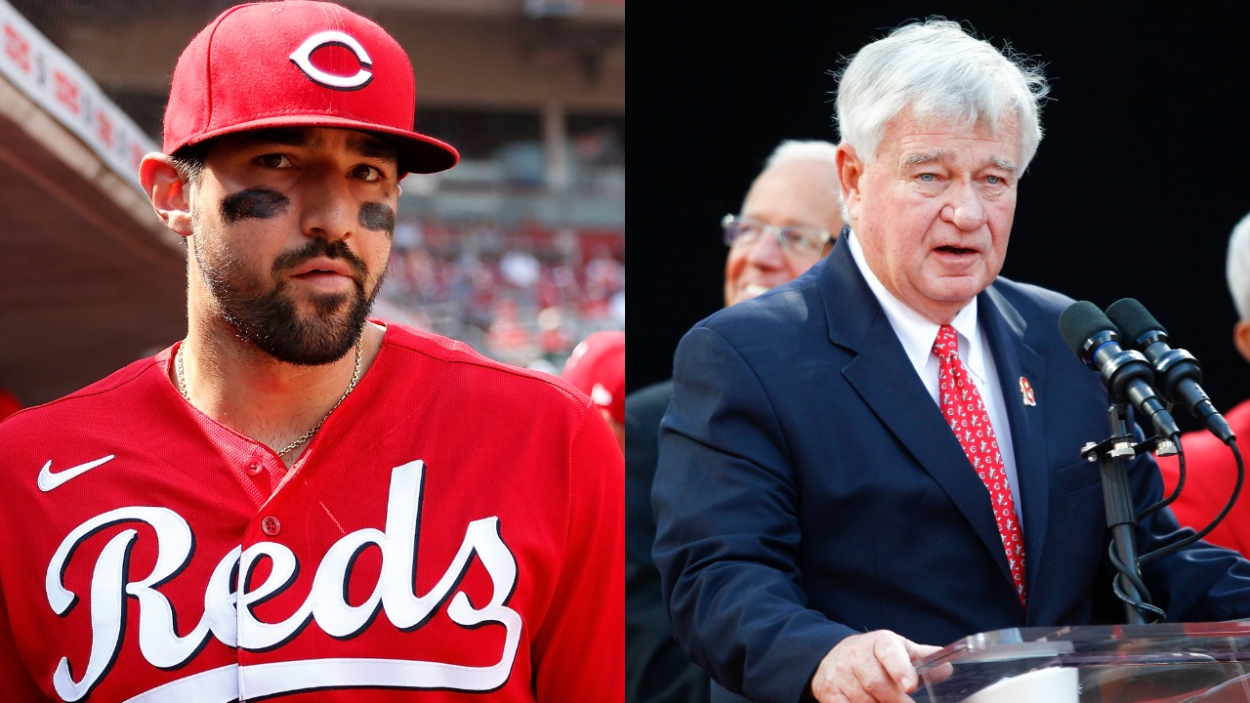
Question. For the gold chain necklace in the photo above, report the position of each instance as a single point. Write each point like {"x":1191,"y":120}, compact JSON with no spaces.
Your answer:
{"x":182,"y":388}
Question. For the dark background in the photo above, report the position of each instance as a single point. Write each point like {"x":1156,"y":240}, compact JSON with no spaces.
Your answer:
{"x":1136,"y":185}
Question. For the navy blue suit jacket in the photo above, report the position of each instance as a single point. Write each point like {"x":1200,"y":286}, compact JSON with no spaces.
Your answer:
{"x":808,"y":489}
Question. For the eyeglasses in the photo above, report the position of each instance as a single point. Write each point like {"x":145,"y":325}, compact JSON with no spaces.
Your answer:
{"x":798,"y":241}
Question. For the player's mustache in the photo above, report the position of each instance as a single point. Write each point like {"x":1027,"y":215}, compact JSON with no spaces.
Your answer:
{"x":318,"y":248}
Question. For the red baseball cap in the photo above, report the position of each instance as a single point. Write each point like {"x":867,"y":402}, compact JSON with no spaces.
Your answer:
{"x":597,"y":368}
{"x":298,"y":63}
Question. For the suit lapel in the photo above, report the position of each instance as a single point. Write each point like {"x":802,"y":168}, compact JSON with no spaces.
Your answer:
{"x":1015,"y":360}
{"x":882,"y":375}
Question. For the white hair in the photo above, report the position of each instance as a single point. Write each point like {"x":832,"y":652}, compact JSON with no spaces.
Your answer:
{"x":941,"y":73}
{"x":795,"y":150}
{"x":1237,"y":268}
{"x":809,"y":150}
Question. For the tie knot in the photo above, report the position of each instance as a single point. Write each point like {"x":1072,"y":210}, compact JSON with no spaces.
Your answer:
{"x":947,"y":342}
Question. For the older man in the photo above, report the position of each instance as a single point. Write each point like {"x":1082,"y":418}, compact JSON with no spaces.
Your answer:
{"x":817,"y":517}
{"x":788,"y":221}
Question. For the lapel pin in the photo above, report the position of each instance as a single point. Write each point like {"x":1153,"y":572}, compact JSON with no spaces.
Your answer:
{"x":1026,"y":392}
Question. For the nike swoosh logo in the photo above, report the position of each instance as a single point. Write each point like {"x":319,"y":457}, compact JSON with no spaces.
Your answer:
{"x":48,"y":480}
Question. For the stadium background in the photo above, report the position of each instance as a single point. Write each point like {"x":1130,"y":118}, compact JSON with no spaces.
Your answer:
{"x":519,"y":250}
{"x":1134,"y":190}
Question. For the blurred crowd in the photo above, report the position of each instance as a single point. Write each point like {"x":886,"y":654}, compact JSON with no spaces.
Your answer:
{"x":523,"y":295}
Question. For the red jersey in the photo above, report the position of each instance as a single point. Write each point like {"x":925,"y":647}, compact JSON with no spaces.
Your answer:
{"x":454,"y":532}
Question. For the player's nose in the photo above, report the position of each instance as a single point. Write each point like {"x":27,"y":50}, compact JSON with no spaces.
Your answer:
{"x":330,"y":209}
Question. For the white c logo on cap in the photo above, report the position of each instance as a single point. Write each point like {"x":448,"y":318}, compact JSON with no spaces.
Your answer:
{"x":301,"y":58}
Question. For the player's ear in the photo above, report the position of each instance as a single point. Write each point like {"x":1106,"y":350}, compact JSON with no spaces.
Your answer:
{"x":169,"y":192}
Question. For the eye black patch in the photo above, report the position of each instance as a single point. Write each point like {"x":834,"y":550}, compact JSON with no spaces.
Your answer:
{"x":253,"y":203}
{"x":377,"y":217}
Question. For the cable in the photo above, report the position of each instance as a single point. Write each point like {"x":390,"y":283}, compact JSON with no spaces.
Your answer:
{"x":1180,"y":483}
{"x":1133,"y":578}
{"x":1168,"y":549}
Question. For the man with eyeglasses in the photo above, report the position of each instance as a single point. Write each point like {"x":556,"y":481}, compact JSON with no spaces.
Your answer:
{"x":789,"y":220}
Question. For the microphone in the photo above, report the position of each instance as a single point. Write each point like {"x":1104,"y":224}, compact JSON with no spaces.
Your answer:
{"x":1177,"y":373}
{"x":1126,"y":373}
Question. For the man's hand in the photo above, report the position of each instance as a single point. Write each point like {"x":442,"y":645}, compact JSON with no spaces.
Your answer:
{"x":872,"y":667}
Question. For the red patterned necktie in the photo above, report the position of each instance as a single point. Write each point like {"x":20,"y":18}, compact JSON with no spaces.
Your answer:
{"x":965,"y":413}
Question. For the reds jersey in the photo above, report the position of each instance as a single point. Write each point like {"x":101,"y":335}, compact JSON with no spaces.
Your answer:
{"x":453,"y":533}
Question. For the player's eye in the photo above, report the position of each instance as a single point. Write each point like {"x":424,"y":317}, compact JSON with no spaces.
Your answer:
{"x":274,"y":161}
{"x":367,"y":173}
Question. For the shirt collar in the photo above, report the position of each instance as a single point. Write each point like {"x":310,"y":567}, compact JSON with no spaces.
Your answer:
{"x":915,"y":331}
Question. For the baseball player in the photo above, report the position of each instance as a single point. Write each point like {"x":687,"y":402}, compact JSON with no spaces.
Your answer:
{"x":299,"y":502}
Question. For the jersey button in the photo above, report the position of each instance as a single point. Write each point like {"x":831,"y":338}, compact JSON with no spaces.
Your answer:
{"x":270,"y":526}
{"x":253,"y":469}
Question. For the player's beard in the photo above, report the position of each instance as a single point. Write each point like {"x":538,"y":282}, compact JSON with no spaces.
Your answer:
{"x":262,"y":309}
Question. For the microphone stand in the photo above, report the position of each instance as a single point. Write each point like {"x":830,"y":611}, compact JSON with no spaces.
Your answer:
{"x":1113,"y":456}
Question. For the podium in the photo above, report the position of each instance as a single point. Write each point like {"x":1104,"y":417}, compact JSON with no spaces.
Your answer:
{"x":1169,"y":663}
